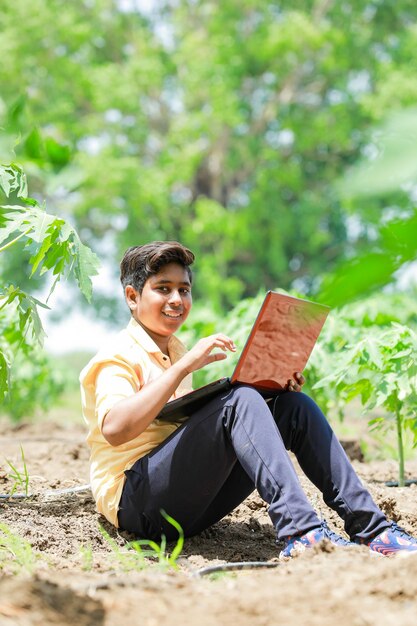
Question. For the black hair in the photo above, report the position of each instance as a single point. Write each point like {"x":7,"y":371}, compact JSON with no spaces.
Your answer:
{"x":141,"y":262}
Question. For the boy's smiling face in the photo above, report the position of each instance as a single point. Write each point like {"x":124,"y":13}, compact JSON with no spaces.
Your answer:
{"x":164,"y":303}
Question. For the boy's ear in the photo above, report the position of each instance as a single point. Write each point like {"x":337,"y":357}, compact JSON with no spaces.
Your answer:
{"x":131,"y":296}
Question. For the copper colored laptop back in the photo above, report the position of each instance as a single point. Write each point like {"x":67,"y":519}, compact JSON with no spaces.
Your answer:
{"x":280,"y":342}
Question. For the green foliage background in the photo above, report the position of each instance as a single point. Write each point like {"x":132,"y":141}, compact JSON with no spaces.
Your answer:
{"x":222,"y":124}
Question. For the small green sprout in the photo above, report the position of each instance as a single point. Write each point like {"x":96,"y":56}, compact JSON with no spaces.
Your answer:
{"x":20,"y":478}
{"x":15,"y":552}
{"x":87,"y":557}
{"x":158,"y":551}
{"x":138,"y":551}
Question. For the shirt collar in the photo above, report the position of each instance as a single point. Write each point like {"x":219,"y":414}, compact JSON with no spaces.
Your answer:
{"x":176,"y":348}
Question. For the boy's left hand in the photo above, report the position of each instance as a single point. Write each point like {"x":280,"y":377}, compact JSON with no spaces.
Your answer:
{"x":295,"y":384}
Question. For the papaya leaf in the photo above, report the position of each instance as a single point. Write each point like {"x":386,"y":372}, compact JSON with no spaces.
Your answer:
{"x":26,"y":309}
{"x":59,"y":246}
{"x":4,"y":374}
{"x":12,"y":178}
{"x":13,"y":221}
{"x":50,"y":243}
{"x":40,"y":222}
{"x":377,"y":423}
{"x":86,"y":265}
{"x":40,"y":254}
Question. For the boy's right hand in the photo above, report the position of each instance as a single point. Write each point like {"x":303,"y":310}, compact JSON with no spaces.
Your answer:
{"x":202,"y":353}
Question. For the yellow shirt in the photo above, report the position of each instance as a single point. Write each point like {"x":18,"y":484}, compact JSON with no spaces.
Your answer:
{"x":119,"y":370}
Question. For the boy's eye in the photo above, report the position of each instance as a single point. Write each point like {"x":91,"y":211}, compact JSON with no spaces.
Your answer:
{"x":165,"y":289}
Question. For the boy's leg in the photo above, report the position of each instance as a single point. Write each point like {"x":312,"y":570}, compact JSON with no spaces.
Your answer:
{"x":209,"y":465}
{"x":307,"y":433}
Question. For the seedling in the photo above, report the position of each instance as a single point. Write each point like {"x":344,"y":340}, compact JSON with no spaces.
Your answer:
{"x":382,"y":370}
{"x":20,"y":478}
{"x":138,"y":551}
{"x":158,"y":551}
{"x":87,"y":557}
{"x":20,"y":551}
{"x":125,"y":559}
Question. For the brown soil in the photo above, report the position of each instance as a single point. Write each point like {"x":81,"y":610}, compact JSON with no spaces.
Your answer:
{"x":77,"y":579}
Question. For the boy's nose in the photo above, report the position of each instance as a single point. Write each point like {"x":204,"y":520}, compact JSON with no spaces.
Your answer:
{"x":175,"y":297}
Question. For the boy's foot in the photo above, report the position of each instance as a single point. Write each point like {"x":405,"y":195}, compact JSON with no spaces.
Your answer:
{"x":298,"y":543}
{"x":392,"y":541}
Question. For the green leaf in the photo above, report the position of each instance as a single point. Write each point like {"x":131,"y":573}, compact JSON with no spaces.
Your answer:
{"x":377,"y":423}
{"x":4,"y":374}
{"x":40,"y":222}
{"x":358,"y":276}
{"x":40,"y":255}
{"x":86,"y":265}
{"x":34,"y":144}
{"x":26,"y":309}
{"x":12,"y":178}
{"x":10,"y":227}
{"x":396,"y":162}
{"x":58,"y":154}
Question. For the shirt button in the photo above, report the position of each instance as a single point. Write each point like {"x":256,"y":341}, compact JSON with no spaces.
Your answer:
{"x":165,"y":358}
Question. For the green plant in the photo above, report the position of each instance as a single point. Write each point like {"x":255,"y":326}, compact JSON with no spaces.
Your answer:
{"x":16,"y":553}
{"x":347,"y":326}
{"x":35,"y":386}
{"x":56,"y":248}
{"x":124,"y":558}
{"x":158,"y":551}
{"x":87,"y":557}
{"x":381,"y":370}
{"x":136,"y":555}
{"x":20,"y":478}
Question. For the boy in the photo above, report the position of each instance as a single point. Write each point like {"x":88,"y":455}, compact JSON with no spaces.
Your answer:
{"x":200,"y":469}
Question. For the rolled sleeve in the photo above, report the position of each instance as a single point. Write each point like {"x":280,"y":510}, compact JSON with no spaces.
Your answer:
{"x":113,"y":383}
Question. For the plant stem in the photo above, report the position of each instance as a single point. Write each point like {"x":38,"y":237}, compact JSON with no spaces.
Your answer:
{"x":13,"y":241}
{"x":401,"y":477}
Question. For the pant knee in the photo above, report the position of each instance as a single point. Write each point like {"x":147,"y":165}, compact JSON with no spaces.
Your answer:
{"x":244,"y":403}
{"x":297,"y":415}
{"x":247,"y":395}
{"x":296,"y":402}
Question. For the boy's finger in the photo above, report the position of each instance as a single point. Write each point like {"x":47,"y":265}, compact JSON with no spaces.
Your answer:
{"x":217,"y":356}
{"x":300,"y":378}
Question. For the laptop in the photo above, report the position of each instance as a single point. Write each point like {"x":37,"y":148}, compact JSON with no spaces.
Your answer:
{"x":279,"y":344}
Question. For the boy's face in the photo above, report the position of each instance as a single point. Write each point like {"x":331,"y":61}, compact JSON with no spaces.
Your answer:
{"x":164,"y":303}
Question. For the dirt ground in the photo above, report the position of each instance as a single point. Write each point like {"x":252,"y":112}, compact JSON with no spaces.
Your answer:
{"x":77,"y":578}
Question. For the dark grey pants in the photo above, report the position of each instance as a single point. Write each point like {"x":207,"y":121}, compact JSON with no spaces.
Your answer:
{"x":236,"y":443}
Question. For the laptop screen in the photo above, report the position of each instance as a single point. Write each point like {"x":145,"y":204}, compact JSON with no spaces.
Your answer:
{"x":280,"y":342}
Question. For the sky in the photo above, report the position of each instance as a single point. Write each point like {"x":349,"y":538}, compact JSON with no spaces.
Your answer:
{"x":76,"y":331}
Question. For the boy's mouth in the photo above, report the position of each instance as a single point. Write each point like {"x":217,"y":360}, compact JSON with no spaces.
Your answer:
{"x":172,"y":315}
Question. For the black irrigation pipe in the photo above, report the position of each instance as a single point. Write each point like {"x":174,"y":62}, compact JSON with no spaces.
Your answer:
{"x":407,"y":482}
{"x":233,"y":567}
{"x":395,"y":483}
{"x":45,"y":494}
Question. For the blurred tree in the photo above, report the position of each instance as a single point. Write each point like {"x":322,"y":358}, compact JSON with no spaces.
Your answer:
{"x":393,"y":245}
{"x":223,"y":125}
